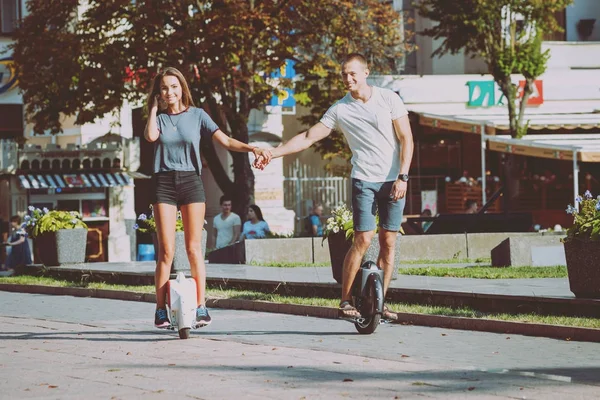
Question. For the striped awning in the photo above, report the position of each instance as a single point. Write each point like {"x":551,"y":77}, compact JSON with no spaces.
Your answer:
{"x":87,"y":180}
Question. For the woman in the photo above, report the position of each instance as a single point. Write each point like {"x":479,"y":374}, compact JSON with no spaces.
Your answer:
{"x":20,"y":253}
{"x":176,"y":127}
{"x":256,"y":227}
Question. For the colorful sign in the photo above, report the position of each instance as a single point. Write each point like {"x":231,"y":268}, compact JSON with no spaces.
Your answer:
{"x":537,"y":95}
{"x":484,"y":93}
{"x":284,"y":97}
{"x":8,"y":75}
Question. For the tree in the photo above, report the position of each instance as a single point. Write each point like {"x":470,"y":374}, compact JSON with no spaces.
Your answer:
{"x":86,"y":63}
{"x":506,"y":34}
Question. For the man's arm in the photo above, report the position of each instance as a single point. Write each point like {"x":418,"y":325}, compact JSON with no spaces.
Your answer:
{"x":302,"y":141}
{"x":404,"y":133}
{"x":236,"y":233}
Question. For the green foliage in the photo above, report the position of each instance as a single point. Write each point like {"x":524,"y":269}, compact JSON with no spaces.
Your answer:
{"x":586,"y":221}
{"x":147,"y":224}
{"x":227,"y":50}
{"x":44,"y":220}
{"x":490,"y":29}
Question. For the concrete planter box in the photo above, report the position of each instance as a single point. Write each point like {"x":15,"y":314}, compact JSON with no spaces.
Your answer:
{"x":180,"y":258}
{"x":583,"y":268}
{"x":65,"y":246}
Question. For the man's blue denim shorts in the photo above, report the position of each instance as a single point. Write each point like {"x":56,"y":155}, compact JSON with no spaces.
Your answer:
{"x":370,"y":197}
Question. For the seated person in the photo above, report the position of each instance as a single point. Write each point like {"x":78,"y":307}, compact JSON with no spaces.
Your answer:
{"x":426,"y":224}
{"x":315,"y":225}
{"x":20,"y":253}
{"x":256,"y":226}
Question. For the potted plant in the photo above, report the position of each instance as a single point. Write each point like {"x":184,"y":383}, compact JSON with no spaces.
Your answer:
{"x":339,"y":232}
{"x":582,"y":247}
{"x":147,"y":224}
{"x":60,"y":237}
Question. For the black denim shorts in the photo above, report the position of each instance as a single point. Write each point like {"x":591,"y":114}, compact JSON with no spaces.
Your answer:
{"x":179,"y":188}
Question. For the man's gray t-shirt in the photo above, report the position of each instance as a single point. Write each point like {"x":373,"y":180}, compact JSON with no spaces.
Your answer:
{"x":178,"y":145}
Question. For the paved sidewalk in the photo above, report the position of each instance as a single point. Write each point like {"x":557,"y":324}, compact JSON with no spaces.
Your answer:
{"x":71,"y":348}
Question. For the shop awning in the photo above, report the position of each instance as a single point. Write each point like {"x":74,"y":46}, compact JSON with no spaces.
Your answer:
{"x":460,"y":118}
{"x":585,"y":147}
{"x":87,"y":180}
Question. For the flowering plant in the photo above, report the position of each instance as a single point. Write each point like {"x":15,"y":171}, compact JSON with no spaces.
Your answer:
{"x":44,"y":220}
{"x":586,"y":221}
{"x":340,"y":221}
{"x":148,"y":223}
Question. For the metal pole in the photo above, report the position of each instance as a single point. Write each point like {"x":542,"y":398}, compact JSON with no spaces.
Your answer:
{"x":483,"y":175}
{"x":575,"y":179}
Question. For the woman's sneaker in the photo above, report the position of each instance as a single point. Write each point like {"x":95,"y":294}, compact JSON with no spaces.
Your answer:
{"x":161,"y":320}
{"x":202,"y":317}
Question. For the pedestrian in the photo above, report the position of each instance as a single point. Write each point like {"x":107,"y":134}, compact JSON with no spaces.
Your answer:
{"x":375,"y":124}
{"x":471,"y":207}
{"x":256,"y":227}
{"x":226,"y":225}
{"x":315,"y":225}
{"x":20,"y":253}
{"x":176,"y":127}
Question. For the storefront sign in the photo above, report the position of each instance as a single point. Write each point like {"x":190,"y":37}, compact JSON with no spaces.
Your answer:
{"x":8,"y":75}
{"x":485,"y":93}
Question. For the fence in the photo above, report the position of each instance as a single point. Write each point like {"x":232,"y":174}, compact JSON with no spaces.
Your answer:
{"x":304,"y":184}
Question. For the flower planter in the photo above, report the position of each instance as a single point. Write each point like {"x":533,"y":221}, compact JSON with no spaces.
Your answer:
{"x":65,"y":246}
{"x":180,"y":258}
{"x":339,"y":247}
{"x":583,"y":267}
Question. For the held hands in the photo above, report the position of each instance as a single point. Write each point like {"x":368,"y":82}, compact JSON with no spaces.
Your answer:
{"x":398,"y":190}
{"x":263,"y":158}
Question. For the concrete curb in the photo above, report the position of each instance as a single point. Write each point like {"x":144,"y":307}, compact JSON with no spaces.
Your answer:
{"x":461,"y":323}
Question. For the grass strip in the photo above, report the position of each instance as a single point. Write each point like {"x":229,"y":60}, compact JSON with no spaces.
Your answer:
{"x":275,"y":298}
{"x":490,"y":272}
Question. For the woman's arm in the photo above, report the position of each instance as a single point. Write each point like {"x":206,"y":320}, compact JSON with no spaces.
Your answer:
{"x":151,"y":133}
{"x":232,"y":144}
{"x":20,"y":240}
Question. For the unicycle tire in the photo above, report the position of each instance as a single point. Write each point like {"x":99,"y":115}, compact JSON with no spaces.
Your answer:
{"x":184,"y":333}
{"x":369,"y":325}
{"x":370,"y":306}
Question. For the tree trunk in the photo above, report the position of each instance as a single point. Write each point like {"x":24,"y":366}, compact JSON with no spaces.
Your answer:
{"x":511,"y":166}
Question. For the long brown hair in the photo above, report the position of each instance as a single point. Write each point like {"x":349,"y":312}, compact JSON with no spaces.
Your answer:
{"x":186,"y":95}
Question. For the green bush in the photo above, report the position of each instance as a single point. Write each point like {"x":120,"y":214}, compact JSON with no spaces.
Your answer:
{"x":44,"y":220}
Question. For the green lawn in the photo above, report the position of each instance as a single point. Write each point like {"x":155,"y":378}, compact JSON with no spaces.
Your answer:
{"x":489,"y":272}
{"x":399,"y":307}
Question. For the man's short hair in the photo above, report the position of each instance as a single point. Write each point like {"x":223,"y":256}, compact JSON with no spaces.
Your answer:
{"x":15,"y":218}
{"x":358,"y":57}
{"x":224,"y":198}
{"x":470,"y":203}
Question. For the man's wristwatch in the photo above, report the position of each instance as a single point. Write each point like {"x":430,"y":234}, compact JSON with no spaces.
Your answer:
{"x":403,"y":177}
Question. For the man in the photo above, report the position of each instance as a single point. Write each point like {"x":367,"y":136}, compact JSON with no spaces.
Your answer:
{"x":375,"y":124}
{"x":226,"y":225}
{"x":471,"y":207}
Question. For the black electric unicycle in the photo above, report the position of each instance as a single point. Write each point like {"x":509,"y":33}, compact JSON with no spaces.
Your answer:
{"x":368,"y":296}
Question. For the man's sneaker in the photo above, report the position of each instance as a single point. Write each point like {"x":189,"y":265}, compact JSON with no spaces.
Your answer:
{"x":161,"y":320}
{"x":202,"y":317}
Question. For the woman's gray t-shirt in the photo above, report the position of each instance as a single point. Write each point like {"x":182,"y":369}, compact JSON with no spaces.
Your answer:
{"x":178,"y":145}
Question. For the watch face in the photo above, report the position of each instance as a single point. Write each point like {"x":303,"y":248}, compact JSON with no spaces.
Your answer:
{"x":404,"y":177}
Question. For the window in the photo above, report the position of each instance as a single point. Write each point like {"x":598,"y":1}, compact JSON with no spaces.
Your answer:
{"x":10,"y":15}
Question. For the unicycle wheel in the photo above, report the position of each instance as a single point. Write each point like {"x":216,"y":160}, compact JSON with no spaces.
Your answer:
{"x":367,"y":326}
{"x":184,"y":333}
